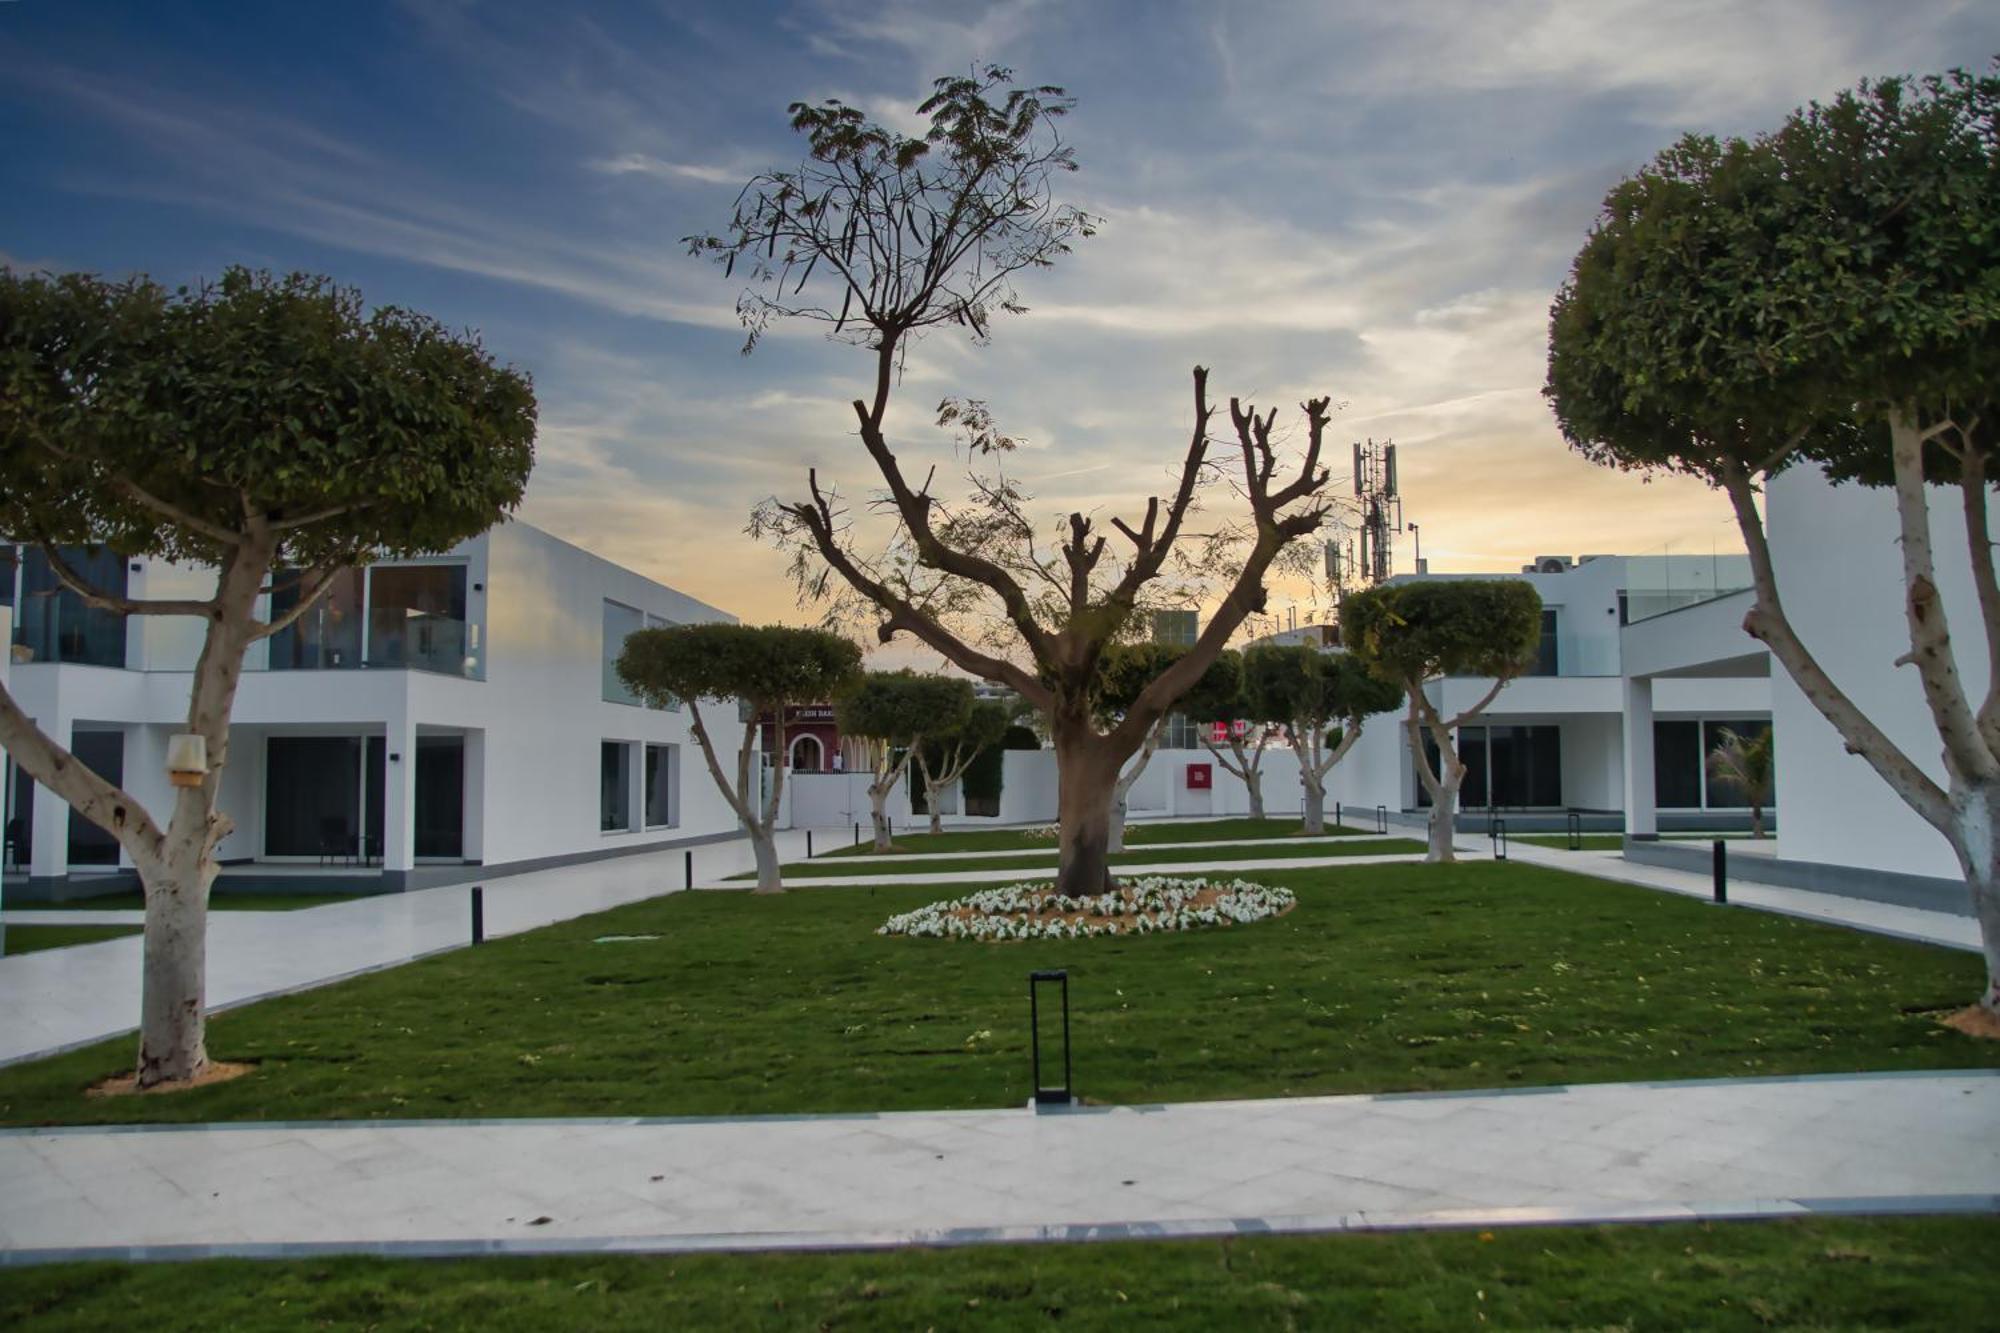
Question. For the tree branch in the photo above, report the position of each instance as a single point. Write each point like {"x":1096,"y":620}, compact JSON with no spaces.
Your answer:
{"x":104,"y":804}
{"x":193,"y":522}
{"x":96,"y":597}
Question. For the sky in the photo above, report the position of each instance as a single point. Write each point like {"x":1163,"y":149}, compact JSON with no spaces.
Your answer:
{"x":1370,"y":201}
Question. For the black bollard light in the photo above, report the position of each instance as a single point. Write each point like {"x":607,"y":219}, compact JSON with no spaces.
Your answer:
{"x":1046,"y":1096}
{"x":1336,"y":814}
{"x":478,"y":915}
{"x":809,"y":844}
{"x":1381,"y":819}
{"x":857,"y":835}
{"x":1721,"y":873}
{"x":1498,"y":832}
{"x":689,"y":868}
{"x":1575,"y":831}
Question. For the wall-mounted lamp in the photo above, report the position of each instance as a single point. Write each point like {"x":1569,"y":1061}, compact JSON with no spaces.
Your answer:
{"x":395,"y":757}
{"x":187,"y":760}
{"x":479,"y":587}
{"x":137,"y":567}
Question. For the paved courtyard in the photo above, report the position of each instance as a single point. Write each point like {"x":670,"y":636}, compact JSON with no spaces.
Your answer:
{"x":1754,"y":1147}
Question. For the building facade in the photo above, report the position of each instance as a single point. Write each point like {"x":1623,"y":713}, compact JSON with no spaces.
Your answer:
{"x":430,"y":721}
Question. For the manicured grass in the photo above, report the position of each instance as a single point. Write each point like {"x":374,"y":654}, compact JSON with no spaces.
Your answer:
{"x":1933,"y":1273}
{"x":1136,"y":835}
{"x":1385,"y":977}
{"x":1046,"y":859}
{"x":218,"y":901}
{"x":32,"y":939}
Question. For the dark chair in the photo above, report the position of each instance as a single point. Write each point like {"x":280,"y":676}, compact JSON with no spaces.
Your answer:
{"x":17,"y":838}
{"x":334,"y":839}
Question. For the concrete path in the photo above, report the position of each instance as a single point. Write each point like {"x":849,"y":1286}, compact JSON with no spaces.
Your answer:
{"x":1721,"y":1148}
{"x":1910,"y":923}
{"x":56,"y":999}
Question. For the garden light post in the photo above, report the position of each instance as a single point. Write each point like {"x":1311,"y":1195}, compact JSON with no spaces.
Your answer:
{"x":478,"y":914}
{"x":1498,"y":832}
{"x":1575,"y":822}
{"x":1046,"y":1096}
{"x":1721,"y":858}
{"x":688,"y":868}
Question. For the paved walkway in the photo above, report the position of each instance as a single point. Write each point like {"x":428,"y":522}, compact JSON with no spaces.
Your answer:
{"x":1911,"y":923}
{"x":60,"y":998}
{"x":1754,"y":1147}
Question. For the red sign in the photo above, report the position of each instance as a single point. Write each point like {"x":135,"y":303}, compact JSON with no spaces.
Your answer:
{"x":1200,"y":777}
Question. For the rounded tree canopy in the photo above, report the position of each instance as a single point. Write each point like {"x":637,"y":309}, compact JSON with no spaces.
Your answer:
{"x":1301,"y":685}
{"x":170,"y":423}
{"x":770,"y":666}
{"x":1126,"y":669}
{"x":985,"y":723}
{"x":900,"y":707}
{"x":1217,"y":696}
{"x":1739,"y":300}
{"x":1407,"y":633}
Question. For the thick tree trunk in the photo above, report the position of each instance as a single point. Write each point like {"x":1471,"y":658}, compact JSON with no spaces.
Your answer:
{"x":931,"y":795}
{"x":764,"y":848}
{"x":1086,"y":781}
{"x":1315,"y":801}
{"x":173,"y":1045}
{"x":1978,"y":820}
{"x":1253,"y":783}
{"x":1444,"y":818}
{"x":878,"y":814}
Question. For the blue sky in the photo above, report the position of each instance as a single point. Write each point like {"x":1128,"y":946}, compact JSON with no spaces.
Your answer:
{"x":1372,"y":201}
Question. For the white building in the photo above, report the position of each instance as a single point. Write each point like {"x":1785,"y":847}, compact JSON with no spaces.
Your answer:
{"x":430,"y":721}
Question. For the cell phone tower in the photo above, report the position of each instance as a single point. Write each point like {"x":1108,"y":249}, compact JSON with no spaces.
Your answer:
{"x":1363,"y":551}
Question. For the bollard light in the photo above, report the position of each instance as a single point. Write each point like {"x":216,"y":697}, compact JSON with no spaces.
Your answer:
{"x":1047,"y":1096}
{"x":478,"y":915}
{"x":857,"y":835}
{"x":809,"y":844}
{"x":1721,"y":873}
{"x":1381,"y":819}
{"x":1499,"y":835}
{"x":1336,"y":814}
{"x":1575,"y":831}
{"x":689,"y":868}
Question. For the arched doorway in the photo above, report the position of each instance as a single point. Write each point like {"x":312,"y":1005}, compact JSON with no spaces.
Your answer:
{"x":808,"y":756}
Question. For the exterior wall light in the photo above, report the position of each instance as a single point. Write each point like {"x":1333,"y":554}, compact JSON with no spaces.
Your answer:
{"x":187,"y":760}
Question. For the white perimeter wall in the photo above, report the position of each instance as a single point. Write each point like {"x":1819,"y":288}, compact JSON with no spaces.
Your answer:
{"x":1839,"y":567}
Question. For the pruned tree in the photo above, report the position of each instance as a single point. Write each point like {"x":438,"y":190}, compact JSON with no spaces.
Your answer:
{"x":1823,"y":293}
{"x":255,"y":425}
{"x":1128,"y":670}
{"x":1747,"y":764}
{"x":1410,"y":633}
{"x":1219,"y":700}
{"x":911,"y":233}
{"x":942,"y":761}
{"x":769,"y":668}
{"x":1323,"y":699}
{"x":899,"y":711}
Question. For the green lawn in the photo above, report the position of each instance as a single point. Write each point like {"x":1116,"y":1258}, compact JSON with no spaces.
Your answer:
{"x":1045,"y":860}
{"x":1136,"y":835}
{"x":219,"y":901}
{"x":31,"y":939}
{"x":1931,"y":1273}
{"x":1385,"y":977}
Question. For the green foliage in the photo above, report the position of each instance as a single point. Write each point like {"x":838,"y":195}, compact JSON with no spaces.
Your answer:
{"x":1747,"y":763}
{"x":770,"y":666}
{"x":1019,"y":737}
{"x":1406,"y":633}
{"x":1738,"y":297}
{"x":1126,"y":669}
{"x":1303,"y":687}
{"x":898,"y":707}
{"x":279,"y":396}
{"x":1218,"y":695}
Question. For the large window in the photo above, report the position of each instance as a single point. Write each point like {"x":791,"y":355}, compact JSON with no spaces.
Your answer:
{"x":662,"y":785}
{"x":103,"y":753}
{"x":614,"y":792}
{"x":1677,"y":777}
{"x":52,"y":622}
{"x":324,"y":796}
{"x":328,"y":635}
{"x":440,"y":830}
{"x":416,"y":618}
{"x":1506,"y":767}
{"x":1548,"y":660}
{"x":619,"y":621}
{"x":1723,"y":794}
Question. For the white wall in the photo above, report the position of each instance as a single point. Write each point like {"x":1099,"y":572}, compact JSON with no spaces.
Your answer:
{"x":1839,"y":569}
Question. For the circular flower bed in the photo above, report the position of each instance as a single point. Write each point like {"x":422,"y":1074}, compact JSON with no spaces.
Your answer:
{"x":1144,"y":906}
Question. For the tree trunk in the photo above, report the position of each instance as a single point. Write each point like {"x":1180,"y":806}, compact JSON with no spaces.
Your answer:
{"x":931,"y":795}
{"x":878,"y":814}
{"x":173,"y":1044}
{"x":1978,"y":819}
{"x":1253,"y":783}
{"x":1444,"y":818}
{"x":1756,"y":821}
{"x":1315,"y":801}
{"x":1086,"y":779}
{"x":765,"y":848}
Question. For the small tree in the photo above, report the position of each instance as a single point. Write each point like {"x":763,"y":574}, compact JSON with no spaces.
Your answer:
{"x":899,"y":711}
{"x":1824,"y":293}
{"x":254,"y":425}
{"x":1746,"y":764}
{"x":914,"y":233}
{"x":1129,"y":670}
{"x":943,"y":761}
{"x":1411,"y":633}
{"x":1220,"y":700}
{"x":1323,"y":699}
{"x":770,"y":668}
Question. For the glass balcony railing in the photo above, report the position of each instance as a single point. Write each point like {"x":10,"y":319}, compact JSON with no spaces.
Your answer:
{"x":1685,"y":573}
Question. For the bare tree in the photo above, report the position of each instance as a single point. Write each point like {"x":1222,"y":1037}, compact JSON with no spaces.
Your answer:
{"x":921,"y":232}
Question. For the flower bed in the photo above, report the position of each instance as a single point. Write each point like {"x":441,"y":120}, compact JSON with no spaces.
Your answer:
{"x":1148,"y":905}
